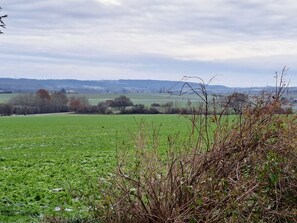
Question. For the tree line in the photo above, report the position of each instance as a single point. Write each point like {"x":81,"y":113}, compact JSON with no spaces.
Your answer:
{"x":36,"y":103}
{"x":42,"y":101}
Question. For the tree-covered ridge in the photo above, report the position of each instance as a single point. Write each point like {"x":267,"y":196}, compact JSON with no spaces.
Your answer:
{"x":100,"y":86}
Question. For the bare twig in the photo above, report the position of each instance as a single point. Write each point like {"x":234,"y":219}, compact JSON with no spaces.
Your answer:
{"x":2,"y":24}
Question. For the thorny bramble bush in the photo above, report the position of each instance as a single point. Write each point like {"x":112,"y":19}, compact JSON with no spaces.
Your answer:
{"x":241,"y":170}
{"x":233,"y":170}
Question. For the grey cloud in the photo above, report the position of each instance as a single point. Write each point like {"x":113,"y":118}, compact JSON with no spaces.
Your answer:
{"x":214,"y":17}
{"x":167,"y":37}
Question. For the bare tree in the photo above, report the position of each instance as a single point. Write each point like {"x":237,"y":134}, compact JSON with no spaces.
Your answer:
{"x":281,"y":85}
{"x":199,"y":89}
{"x":43,"y":97}
{"x":78,"y":104}
{"x":2,"y":24}
{"x":237,"y":101}
{"x":122,"y":102}
{"x":58,"y":102}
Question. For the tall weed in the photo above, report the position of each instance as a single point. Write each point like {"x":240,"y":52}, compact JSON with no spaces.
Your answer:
{"x":238,"y":170}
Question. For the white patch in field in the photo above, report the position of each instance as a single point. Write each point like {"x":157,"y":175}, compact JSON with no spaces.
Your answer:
{"x":57,"y":209}
{"x":56,"y":189}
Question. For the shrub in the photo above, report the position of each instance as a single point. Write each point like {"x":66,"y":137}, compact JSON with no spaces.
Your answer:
{"x":232,"y":169}
{"x":5,"y":109}
{"x":78,"y":104}
{"x":122,"y":102}
{"x":155,"y":105}
{"x":153,"y":111}
{"x":240,"y":170}
{"x":102,"y":107}
{"x":138,"y":109}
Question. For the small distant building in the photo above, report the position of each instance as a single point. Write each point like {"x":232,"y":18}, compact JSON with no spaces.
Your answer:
{"x":71,"y":92}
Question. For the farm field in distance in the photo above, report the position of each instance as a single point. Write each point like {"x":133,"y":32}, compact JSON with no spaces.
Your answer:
{"x":137,"y":98}
{"x":4,"y":98}
{"x":48,"y":161}
{"x":145,"y":98}
{"x":148,"y":98}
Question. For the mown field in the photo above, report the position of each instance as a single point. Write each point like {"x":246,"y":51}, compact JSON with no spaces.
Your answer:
{"x":48,"y":163}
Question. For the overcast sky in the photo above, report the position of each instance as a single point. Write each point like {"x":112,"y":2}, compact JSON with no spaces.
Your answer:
{"x":242,"y":42}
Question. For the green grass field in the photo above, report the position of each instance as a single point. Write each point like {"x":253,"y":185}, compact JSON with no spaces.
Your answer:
{"x":138,"y":98}
{"x":146,"y":99}
{"x":4,"y":98}
{"x":142,"y":98}
{"x":47,"y":162}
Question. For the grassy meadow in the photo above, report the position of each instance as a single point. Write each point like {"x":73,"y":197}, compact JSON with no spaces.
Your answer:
{"x":48,"y":163}
{"x":4,"y":98}
{"x":146,"y":99}
{"x":138,"y":98}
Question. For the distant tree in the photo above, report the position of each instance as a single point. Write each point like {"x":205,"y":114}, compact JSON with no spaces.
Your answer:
{"x":139,"y":109}
{"x":2,"y":24}
{"x":58,"y":102}
{"x":63,"y":91}
{"x":155,"y":105}
{"x":167,"y":107}
{"x":91,"y":109}
{"x":109,"y":103}
{"x":25,"y":104}
{"x":153,"y":110}
{"x":40,"y":102}
{"x":102,"y":107}
{"x":22,"y":99}
{"x":122,"y":102}
{"x":78,"y":104}
{"x":43,"y":94}
{"x":237,"y":101}
{"x":5,"y":109}
{"x":43,"y":97}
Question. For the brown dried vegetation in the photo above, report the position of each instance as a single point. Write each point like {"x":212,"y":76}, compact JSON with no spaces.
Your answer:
{"x":243,"y":170}
{"x":240,"y":169}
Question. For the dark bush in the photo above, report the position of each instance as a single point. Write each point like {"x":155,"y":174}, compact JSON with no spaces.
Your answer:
{"x":102,"y":107}
{"x":153,"y":111}
{"x":78,"y":104}
{"x":138,"y":109}
{"x":155,"y":105}
{"x":122,"y":102}
{"x":5,"y":109}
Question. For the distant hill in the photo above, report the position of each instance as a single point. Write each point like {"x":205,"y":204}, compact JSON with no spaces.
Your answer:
{"x":107,"y":86}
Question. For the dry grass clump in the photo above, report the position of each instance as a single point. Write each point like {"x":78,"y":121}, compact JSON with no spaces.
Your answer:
{"x":246,"y":174}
